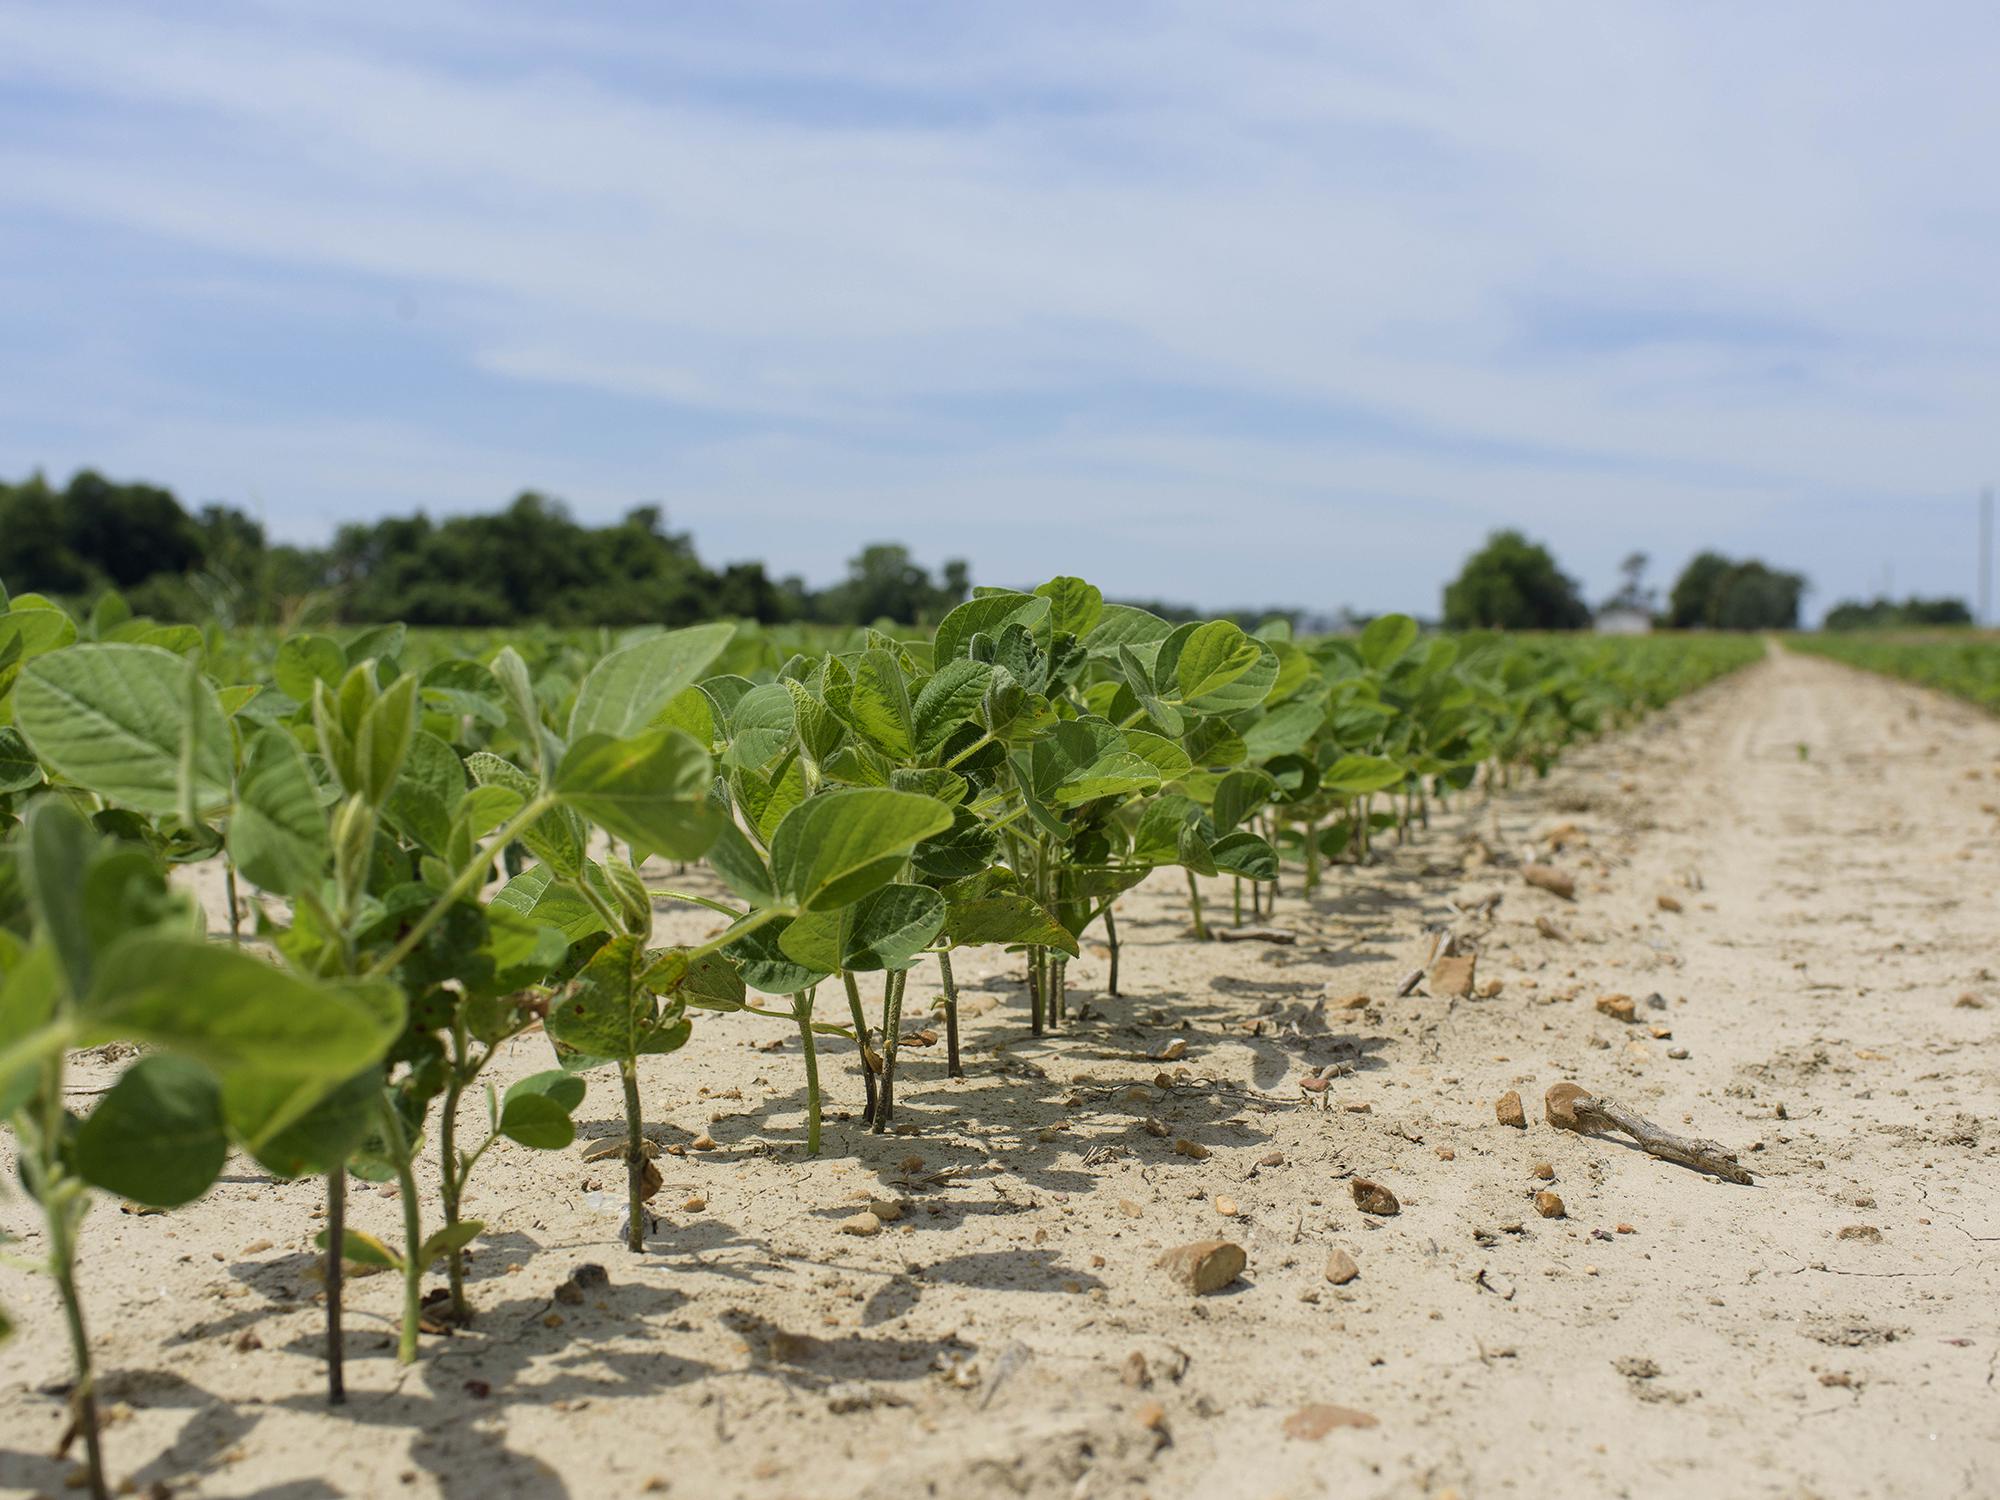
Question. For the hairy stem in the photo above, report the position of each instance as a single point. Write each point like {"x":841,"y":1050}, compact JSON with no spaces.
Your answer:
{"x":413,"y":1234}
{"x":1111,"y":942}
{"x":952,"y":1067}
{"x":635,"y":1159}
{"x":861,"y":1040}
{"x":83,"y":1398}
{"x":1194,"y":906}
{"x":892,"y":1030}
{"x":336,"y":1239}
{"x":802,"y":1007}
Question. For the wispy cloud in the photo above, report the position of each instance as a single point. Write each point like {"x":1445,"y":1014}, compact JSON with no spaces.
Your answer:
{"x":1324,"y":292}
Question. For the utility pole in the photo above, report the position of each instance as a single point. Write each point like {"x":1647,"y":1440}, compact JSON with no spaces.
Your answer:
{"x":1986,"y":556}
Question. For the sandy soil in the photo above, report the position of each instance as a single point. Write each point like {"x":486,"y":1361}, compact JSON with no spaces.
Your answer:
{"x":1833,"y":1330}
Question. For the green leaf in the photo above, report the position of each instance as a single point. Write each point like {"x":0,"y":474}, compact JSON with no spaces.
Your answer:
{"x":762,"y":962}
{"x":989,"y":614}
{"x":1284,"y":730}
{"x":1006,"y":919}
{"x":157,"y":1137}
{"x":19,"y":769}
{"x":384,"y":739}
{"x":889,"y":928}
{"x":233,"y":1011}
{"x":428,"y":792}
{"x":1237,"y":795}
{"x":1214,"y":668}
{"x":760,"y":725}
{"x":1075,"y":606}
{"x":451,"y":1237}
{"x":878,"y":704}
{"x":134,"y":724}
{"x":30,"y":992}
{"x":812,"y":939}
{"x":277,"y":834}
{"x":318,"y":1141}
{"x":819,"y":728}
{"x":57,"y":850}
{"x":609,"y":1014}
{"x":651,"y":790}
{"x":947,"y":699}
{"x":833,"y":849}
{"x":359,"y":1249}
{"x":629,"y":687}
{"x":1125,"y":625}
{"x":1355,"y":775}
{"x":1244,"y":853}
{"x":304,"y":660}
{"x":557,"y":837}
{"x":536,"y":1110}
{"x":1386,"y":638}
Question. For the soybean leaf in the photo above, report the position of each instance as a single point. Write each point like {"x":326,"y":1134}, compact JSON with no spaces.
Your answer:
{"x":888,"y":928}
{"x":650,"y":790}
{"x":360,"y":1249}
{"x":536,"y":1110}
{"x":760,"y":725}
{"x":1353,"y":775}
{"x":157,"y":1137}
{"x":19,"y":769}
{"x":451,"y":1237}
{"x":1386,"y":638}
{"x":304,"y":660}
{"x":764,"y":965}
{"x":989,"y":614}
{"x":1007,"y":919}
{"x":1075,"y":605}
{"x":812,"y":939}
{"x":318,"y":1141}
{"x":1244,"y":853}
{"x":557,"y":836}
{"x":134,"y":724}
{"x":833,"y":849}
{"x":629,"y":687}
{"x":878,"y":704}
{"x":277,"y":834}
{"x":948,"y":699}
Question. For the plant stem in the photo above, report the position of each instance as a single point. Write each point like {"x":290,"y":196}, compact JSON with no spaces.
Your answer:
{"x":1111,"y":942}
{"x":1194,"y":905}
{"x":802,"y":1007}
{"x":635,"y":1159}
{"x":83,"y":1398}
{"x":1236,"y":882}
{"x":336,"y":1239}
{"x":1058,"y":986}
{"x":861,"y":1040}
{"x":229,"y":895}
{"x":451,"y":1184}
{"x":952,"y":1067}
{"x":1035,"y":991}
{"x":413,"y":1229}
{"x":892,"y":1030}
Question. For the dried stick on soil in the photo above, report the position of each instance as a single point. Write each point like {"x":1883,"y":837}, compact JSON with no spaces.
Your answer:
{"x":1281,"y":935}
{"x":1570,"y":1106}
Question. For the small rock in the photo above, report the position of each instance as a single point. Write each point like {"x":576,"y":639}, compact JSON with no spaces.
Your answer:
{"x":1373,"y":1198}
{"x":1489,"y":989}
{"x":1559,"y":1105}
{"x":1311,"y":1423}
{"x":1173,"y":1051}
{"x":1969,"y":1001}
{"x":1626,"y":1229}
{"x":1668,"y":903}
{"x":1151,"y":1415}
{"x":256,"y":1247}
{"x":864,"y":1222}
{"x":1134,"y":1372}
{"x":702,"y":1142}
{"x":888,"y":1210}
{"x":478,"y":1390}
{"x":1542,"y":1170}
{"x":569,"y":1294}
{"x":1155,"y":1128}
{"x":1867,"y":1233}
{"x":911,"y":1164}
{"x":1356,"y":1001}
{"x":591,"y":1276}
{"x":246,"y":1341}
{"x":1271,"y":1159}
{"x":1227,"y":1207}
{"x":1679,"y":1054}
{"x":1453,"y":976}
{"x":1204,"y":1266}
{"x":1445,"y":1153}
{"x":1507,"y":1109}
{"x":1618,"y":1007}
{"x":1549,"y":1206}
{"x":1340,"y":1267}
{"x":1194,"y":1149}
{"x":1549,"y":878}
{"x":1130,"y":1209}
{"x":1660,"y":1033}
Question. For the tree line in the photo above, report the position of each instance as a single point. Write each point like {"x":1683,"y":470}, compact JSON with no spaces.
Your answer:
{"x":532,"y":560}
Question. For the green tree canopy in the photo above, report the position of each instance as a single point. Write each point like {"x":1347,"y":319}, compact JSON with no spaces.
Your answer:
{"x":1513,"y":584}
{"x":1716,"y":593}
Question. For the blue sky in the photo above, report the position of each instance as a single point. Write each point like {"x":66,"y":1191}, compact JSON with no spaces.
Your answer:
{"x":1227,"y":304}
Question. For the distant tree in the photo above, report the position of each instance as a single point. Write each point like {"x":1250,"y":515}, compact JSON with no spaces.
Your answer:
{"x":1887,"y":614}
{"x":884,"y":583}
{"x":1716,"y":593}
{"x":1513,"y":584}
{"x":1632,"y":593}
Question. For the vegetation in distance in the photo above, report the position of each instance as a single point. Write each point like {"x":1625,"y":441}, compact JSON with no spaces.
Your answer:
{"x":1965,"y":665}
{"x":433,"y":845}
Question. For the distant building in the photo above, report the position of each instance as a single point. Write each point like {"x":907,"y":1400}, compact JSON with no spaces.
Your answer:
{"x":1618,"y":621}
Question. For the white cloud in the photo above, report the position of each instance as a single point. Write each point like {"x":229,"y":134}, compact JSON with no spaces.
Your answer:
{"x":1090,"y":264}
